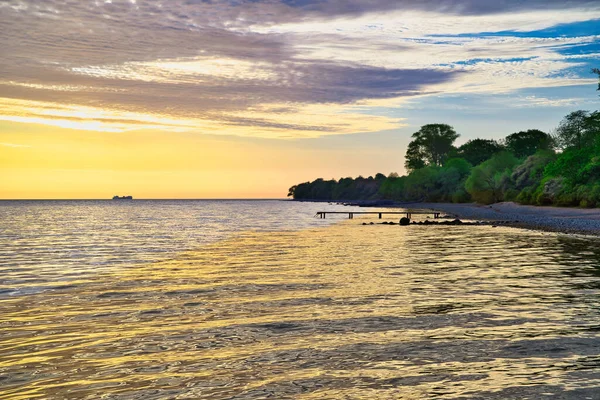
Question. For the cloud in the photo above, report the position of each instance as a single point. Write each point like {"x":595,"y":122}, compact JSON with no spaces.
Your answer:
{"x":190,"y":64}
{"x":334,"y":8}
{"x":14,"y":145}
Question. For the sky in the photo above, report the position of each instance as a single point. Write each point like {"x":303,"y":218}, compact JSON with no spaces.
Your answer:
{"x":245,"y":98}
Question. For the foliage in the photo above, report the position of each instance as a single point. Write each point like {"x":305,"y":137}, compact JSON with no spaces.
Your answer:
{"x":461,"y":165}
{"x":421,"y":184}
{"x":392,"y":188}
{"x":343,"y":189}
{"x":577,"y":129}
{"x":430,"y":146}
{"x":477,"y":151}
{"x":531,"y":171}
{"x":525,"y":169}
{"x":415,"y":157}
{"x":489,"y":181}
{"x":570,"y":165}
{"x":525,"y":143}
{"x":597,"y":72}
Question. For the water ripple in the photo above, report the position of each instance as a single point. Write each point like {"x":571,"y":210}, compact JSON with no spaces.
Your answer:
{"x":344,"y":311}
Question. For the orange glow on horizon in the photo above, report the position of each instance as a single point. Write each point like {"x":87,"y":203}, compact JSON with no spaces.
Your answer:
{"x":42,"y":162}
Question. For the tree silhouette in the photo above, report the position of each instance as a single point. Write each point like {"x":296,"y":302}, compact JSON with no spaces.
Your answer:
{"x":477,"y":151}
{"x":526,"y":143}
{"x":430,"y":146}
{"x":572,"y":132}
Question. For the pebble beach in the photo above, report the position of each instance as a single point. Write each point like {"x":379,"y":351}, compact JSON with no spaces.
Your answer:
{"x":555,"y":219}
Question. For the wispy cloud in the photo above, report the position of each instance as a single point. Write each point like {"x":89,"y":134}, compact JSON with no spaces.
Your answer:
{"x":14,"y":145}
{"x":226,"y":66}
{"x":536,"y":101}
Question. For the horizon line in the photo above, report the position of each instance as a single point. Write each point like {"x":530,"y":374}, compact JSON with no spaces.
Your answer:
{"x":184,"y":199}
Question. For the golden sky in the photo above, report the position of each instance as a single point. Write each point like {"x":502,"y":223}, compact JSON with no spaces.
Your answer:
{"x":191,"y":99}
{"x":48,"y":162}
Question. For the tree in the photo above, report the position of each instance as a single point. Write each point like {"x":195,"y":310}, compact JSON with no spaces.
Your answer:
{"x":421,"y":184}
{"x":291,"y":191}
{"x":415,"y":158}
{"x":393,"y":187}
{"x":592,"y":125}
{"x":300,"y":191}
{"x":489,"y":180}
{"x":462,"y":166}
{"x":597,"y":72}
{"x":578,"y":129}
{"x":430,"y":146}
{"x":531,"y":171}
{"x":526,"y":143}
{"x":451,"y":180}
{"x":477,"y":151}
{"x":571,"y":131}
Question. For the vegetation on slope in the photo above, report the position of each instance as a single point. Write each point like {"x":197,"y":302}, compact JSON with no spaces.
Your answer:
{"x":529,"y":167}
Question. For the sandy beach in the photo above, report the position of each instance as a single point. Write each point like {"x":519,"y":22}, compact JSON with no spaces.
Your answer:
{"x":555,"y":219}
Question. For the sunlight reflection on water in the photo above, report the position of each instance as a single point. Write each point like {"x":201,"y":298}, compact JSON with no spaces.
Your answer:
{"x":345,"y":311}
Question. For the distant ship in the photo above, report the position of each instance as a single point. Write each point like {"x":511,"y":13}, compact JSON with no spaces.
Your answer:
{"x":122,"y":197}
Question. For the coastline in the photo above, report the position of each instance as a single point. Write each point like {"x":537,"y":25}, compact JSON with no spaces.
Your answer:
{"x":552,"y":219}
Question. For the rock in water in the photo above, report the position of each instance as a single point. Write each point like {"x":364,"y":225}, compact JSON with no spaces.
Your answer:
{"x":404,"y":221}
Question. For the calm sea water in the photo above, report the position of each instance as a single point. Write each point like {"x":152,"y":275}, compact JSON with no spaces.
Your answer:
{"x":258,"y":299}
{"x":44,"y":243}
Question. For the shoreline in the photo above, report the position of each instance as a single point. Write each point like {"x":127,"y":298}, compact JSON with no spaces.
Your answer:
{"x":551,"y":219}
{"x":567,"y":220}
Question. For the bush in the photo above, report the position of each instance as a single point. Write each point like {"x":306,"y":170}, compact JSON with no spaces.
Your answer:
{"x":531,"y":171}
{"x":526,"y":196}
{"x":461,"y":196}
{"x":511,"y":194}
{"x":490,"y":180}
{"x":550,"y":191}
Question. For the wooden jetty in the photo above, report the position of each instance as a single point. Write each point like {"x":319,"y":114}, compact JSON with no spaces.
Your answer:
{"x":351,"y":214}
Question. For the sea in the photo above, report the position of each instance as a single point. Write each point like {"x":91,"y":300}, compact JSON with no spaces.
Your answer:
{"x":259,"y":299}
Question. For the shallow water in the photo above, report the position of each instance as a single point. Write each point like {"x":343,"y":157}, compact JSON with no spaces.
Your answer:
{"x":45,"y":243}
{"x":340,"y":311}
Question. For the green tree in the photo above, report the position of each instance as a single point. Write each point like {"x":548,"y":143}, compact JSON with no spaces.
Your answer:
{"x":570,"y":164}
{"x":430,"y":146}
{"x":393,"y":187}
{"x":451,"y":180}
{"x":477,"y":151}
{"x":597,"y":72}
{"x":531,"y":171}
{"x":572,"y":132}
{"x":415,"y":158}
{"x":525,"y":143}
{"x":421,"y":184}
{"x":462,"y":166}
{"x":489,"y":180}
